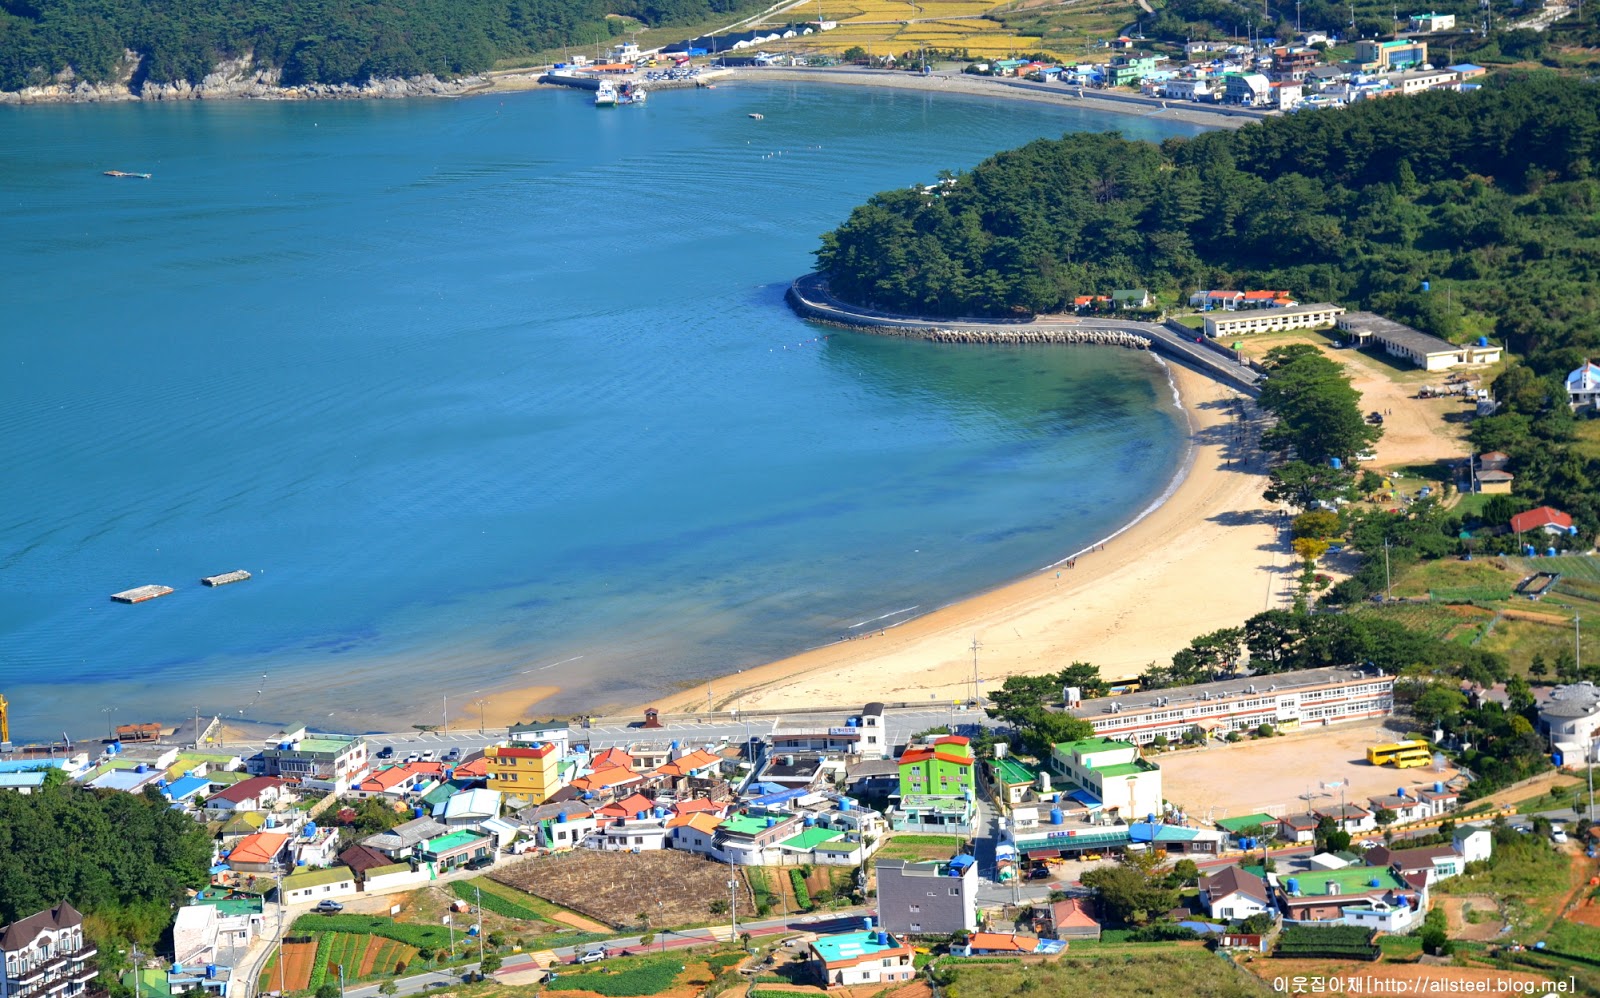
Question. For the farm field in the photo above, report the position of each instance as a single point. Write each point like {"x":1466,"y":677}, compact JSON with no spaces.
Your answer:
{"x":1448,"y":623}
{"x":362,"y":956}
{"x":1398,"y":978}
{"x":898,"y":27}
{"x":1282,"y":769}
{"x":1189,"y":971}
{"x":615,"y":888}
{"x":919,"y":847}
{"x":295,"y":974}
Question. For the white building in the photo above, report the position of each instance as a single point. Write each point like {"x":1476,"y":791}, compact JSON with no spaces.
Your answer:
{"x":1269,"y":320}
{"x":1427,"y":23}
{"x":1234,"y":895}
{"x":1583,"y":386}
{"x":46,"y":955}
{"x":1286,"y":700}
{"x":1571,"y":719}
{"x":1111,"y":773}
{"x":1427,"y":352}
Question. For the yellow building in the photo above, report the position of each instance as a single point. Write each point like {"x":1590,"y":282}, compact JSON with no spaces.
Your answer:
{"x":531,"y":771}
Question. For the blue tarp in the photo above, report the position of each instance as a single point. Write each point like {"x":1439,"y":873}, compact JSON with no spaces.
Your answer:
{"x":1085,"y":798}
{"x":1203,"y":927}
{"x":782,"y":796}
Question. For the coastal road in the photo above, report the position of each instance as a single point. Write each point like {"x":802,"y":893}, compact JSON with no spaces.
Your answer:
{"x":715,"y":728}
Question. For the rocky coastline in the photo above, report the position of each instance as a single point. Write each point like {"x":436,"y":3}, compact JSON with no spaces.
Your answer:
{"x":232,"y":79}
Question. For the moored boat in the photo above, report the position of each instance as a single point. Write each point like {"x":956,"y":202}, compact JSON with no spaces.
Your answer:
{"x":606,"y":96}
{"x":123,"y":173}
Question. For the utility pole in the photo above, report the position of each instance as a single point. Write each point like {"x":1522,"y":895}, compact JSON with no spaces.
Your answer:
{"x":1388,"y":591}
{"x":277,"y":874}
{"x":341,"y":979}
{"x":447,"y":715}
{"x":197,"y":726}
{"x":481,"y":703}
{"x":976,"y":695}
{"x":138,"y":978}
{"x":479,"y":892}
{"x":733,"y":903}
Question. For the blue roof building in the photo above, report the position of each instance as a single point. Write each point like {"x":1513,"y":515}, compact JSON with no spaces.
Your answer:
{"x":182,"y":790}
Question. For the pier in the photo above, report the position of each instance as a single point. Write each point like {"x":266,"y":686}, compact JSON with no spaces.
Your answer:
{"x":140,"y":594}
{"x":226,"y":578}
{"x":811,"y":298}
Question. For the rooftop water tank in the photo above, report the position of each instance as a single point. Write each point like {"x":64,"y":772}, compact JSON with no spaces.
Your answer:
{"x":867,"y":922}
{"x":416,"y":812}
{"x":272,"y":821}
{"x":561,"y":817}
{"x":641,"y":815}
{"x":161,"y":784}
{"x":1057,"y":816}
{"x":141,"y":768}
{"x":1529,"y":552}
{"x":1335,"y":463}
{"x":177,"y":968}
{"x":844,"y":803}
{"x":1400,"y":791}
{"x":883,"y":938}
{"x":1374,"y":882}
{"x":1426,"y":285}
{"x":771,"y":821}
{"x":850,"y":722}
{"x":211,"y":970}
{"x":1438,"y":787}
{"x":1294,"y":886}
{"x":1483,"y":341}
{"x":811,"y":820}
{"x":1550,"y":552}
{"x":674,"y":746}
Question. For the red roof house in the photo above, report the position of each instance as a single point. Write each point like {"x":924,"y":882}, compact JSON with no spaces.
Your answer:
{"x":1546,"y":518}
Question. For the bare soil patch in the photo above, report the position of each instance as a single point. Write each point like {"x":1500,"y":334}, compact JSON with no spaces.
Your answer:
{"x":672,"y":888}
{"x":1486,"y":928}
{"x":297,"y":961}
{"x":1272,"y":775}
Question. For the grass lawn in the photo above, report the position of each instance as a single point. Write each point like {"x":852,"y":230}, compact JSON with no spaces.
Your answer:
{"x":1191,"y":971}
{"x":1526,"y":876}
{"x":1453,"y":573}
{"x":1551,"y":802}
{"x":1520,"y":640}
{"x":920,"y":847}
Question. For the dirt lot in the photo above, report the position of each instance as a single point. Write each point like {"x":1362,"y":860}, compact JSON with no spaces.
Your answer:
{"x":1399,"y":978}
{"x":1455,"y":911}
{"x":672,"y":888}
{"x":1415,"y":431}
{"x":1272,"y":774}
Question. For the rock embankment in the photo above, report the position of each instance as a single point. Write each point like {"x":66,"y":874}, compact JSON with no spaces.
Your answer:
{"x":232,"y":79}
{"x":1095,"y":337}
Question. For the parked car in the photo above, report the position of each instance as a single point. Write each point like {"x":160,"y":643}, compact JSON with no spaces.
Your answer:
{"x":453,"y":754}
{"x":1558,"y":835}
{"x":592,"y":956}
{"x":387,"y":752}
{"x":413,"y":757}
{"x":480,"y":862}
{"x":328,"y":907}
{"x":428,"y":755}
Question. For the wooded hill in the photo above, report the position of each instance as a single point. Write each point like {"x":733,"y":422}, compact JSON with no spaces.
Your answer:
{"x":1492,"y":196}
{"x":312,"y":41}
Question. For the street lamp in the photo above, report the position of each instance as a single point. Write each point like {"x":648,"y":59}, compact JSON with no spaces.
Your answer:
{"x":481,"y":703}
{"x":111,"y":732}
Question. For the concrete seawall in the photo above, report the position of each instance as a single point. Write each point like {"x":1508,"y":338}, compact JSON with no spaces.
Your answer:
{"x":811,"y":298}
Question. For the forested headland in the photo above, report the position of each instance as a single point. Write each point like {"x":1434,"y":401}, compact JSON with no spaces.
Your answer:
{"x":1493,"y":196}
{"x":311,"y":41}
{"x":123,"y":860}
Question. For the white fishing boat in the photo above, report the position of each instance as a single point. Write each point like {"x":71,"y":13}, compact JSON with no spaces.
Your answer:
{"x":606,"y":96}
{"x":632,"y":93}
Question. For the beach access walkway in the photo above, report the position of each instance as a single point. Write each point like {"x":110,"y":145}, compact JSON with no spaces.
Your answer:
{"x":811,"y":297}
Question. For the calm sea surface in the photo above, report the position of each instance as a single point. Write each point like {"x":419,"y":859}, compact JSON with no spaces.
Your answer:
{"x":479,"y":387}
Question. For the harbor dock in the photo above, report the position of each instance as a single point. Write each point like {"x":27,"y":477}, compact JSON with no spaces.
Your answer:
{"x":238,"y":575}
{"x":140,"y":594}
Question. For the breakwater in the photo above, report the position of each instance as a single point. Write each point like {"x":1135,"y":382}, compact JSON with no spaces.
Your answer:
{"x":1090,"y":337}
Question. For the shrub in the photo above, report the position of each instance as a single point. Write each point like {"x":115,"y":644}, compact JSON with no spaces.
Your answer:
{"x":802,"y":896}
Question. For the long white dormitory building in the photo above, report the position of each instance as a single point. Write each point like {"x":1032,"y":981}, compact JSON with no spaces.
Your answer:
{"x":1286,"y":700}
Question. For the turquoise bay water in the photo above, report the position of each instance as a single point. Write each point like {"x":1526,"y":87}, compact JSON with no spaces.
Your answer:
{"x":500,"y":392}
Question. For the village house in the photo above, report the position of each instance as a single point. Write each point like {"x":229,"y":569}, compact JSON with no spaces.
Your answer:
{"x":1439,"y":798}
{"x":1489,"y":474}
{"x":1298,"y":828}
{"x":996,"y":944}
{"x":1357,"y":895}
{"x":46,"y":955}
{"x":560,"y":825}
{"x":321,"y":761}
{"x":694,"y":832}
{"x":1545,"y":519}
{"x":932,"y":898}
{"x":1250,"y":826}
{"x":1406,"y":807}
{"x":401,"y":841}
{"x":542,"y":733}
{"x":260,"y":793}
{"x":1072,"y":919}
{"x":1388,"y":57}
{"x":531,"y":770}
{"x":1349,"y":817}
{"x":862,"y":957}
{"x":469,"y":808}
{"x":1109,"y":774}
{"x":633,"y":834}
{"x":458,"y":848}
{"x":263,"y":852}
{"x":318,"y":885}
{"x":1430,"y":23}
{"x":1131,"y":298}
{"x":1232,"y":894}
{"x":204,"y":935}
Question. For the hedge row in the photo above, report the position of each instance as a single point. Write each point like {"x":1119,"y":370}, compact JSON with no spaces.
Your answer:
{"x":802,"y":896}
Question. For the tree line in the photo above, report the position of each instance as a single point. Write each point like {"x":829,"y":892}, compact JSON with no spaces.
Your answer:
{"x":1487,"y":195}
{"x":123,"y":860}
{"x":311,"y":41}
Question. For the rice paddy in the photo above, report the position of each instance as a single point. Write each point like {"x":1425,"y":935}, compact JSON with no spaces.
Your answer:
{"x":897,"y":27}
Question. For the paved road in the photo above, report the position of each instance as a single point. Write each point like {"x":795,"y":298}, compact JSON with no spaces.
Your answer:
{"x":901,"y":724}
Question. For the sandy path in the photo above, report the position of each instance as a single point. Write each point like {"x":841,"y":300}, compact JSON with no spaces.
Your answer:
{"x":1207,"y":558}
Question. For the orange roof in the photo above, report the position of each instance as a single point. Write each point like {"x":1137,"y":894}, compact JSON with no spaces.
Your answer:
{"x":698,"y":759}
{"x":609,"y":777}
{"x":952,"y":740}
{"x":1264,"y":295}
{"x":384,"y":779}
{"x":1071,"y":913}
{"x":699,"y":804}
{"x":611,"y":757}
{"x":923,"y":754}
{"x":1005,"y":944}
{"x":627,"y":807}
{"x":262,"y":847}
{"x":478,"y":767}
{"x":707,"y":823}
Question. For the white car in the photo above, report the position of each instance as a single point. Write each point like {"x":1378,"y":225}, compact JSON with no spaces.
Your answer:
{"x":428,"y":755}
{"x":1558,"y":835}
